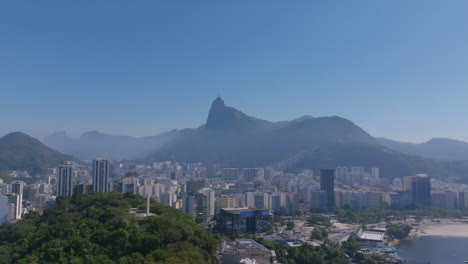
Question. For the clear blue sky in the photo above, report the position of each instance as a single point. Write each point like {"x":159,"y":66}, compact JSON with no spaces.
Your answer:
{"x":398,"y":69}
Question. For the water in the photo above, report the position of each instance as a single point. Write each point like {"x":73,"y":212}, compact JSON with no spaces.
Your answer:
{"x":436,"y":249}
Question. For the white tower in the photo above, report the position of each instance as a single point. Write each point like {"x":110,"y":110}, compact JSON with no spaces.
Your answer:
{"x":101,"y":175}
{"x":65,"y":179}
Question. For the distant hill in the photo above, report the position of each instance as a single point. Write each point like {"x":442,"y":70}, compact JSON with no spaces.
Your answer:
{"x":19,"y":151}
{"x":233,"y":138}
{"x":93,"y":144}
{"x":436,"y":148}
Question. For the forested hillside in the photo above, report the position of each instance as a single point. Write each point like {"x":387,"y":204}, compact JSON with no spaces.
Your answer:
{"x":97,"y":229}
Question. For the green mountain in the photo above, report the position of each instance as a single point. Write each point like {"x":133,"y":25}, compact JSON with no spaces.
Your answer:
{"x":19,"y":151}
{"x":232,"y":138}
{"x":98,"y":229}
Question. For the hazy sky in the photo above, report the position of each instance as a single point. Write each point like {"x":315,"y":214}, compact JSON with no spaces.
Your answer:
{"x":398,"y":69}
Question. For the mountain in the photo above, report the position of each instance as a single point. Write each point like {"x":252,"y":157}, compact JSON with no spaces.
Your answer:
{"x":222,"y":117}
{"x":19,"y":151}
{"x":93,"y":144}
{"x":232,"y":137}
{"x":236,"y":139}
{"x":436,"y":148}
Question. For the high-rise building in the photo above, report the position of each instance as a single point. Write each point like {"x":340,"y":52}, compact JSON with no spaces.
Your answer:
{"x":4,"y":188}
{"x":256,"y":200}
{"x":130,"y":185}
{"x":65,"y":179}
{"x":231,"y":174}
{"x":407,"y":183}
{"x":3,"y":209}
{"x":208,"y":205}
{"x":462,"y":200}
{"x":275,"y":202}
{"x":319,"y":199}
{"x":101,"y":183}
{"x":244,"y":220}
{"x":421,"y":190}
{"x":375,"y":173}
{"x":189,"y":205}
{"x":168,"y":198}
{"x":249,"y":174}
{"x":14,"y":207}
{"x":193,"y":186}
{"x":29,"y":191}
{"x":327,"y":184}
{"x":17,"y":189}
{"x":224,"y":201}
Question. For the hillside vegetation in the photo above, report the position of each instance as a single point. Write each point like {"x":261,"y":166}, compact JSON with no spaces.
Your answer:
{"x":19,"y":151}
{"x":97,"y":229}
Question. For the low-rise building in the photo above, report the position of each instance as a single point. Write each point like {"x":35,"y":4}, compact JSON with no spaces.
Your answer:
{"x":244,"y":220}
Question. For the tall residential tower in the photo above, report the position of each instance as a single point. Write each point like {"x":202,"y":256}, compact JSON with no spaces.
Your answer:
{"x":101,"y":183}
{"x":65,"y":179}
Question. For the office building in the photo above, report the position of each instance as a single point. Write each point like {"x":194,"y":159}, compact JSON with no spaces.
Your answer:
{"x":4,"y":188}
{"x":319,"y":199}
{"x":231,"y":174}
{"x":249,"y":174}
{"x":327,"y":184}
{"x":224,"y":201}
{"x":244,"y":220}
{"x":17,"y":187}
{"x":101,"y":183}
{"x":421,"y":190}
{"x":407,"y":183}
{"x":130,"y":185}
{"x":193,"y":186}
{"x":189,"y":205}
{"x":65,"y":179}
{"x":256,"y":200}
{"x":275,"y":203}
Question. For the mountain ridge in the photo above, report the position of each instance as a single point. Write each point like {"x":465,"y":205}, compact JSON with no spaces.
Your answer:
{"x":436,"y":148}
{"x":92,"y":144}
{"x":233,"y":138}
{"x":19,"y":151}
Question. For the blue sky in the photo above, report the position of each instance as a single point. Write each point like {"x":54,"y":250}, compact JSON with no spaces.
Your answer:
{"x":396,"y":68}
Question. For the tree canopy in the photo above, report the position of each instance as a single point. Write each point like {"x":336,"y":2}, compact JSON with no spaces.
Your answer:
{"x":97,"y":228}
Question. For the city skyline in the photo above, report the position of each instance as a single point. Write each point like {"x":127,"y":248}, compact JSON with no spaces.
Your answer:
{"x":396,"y":68}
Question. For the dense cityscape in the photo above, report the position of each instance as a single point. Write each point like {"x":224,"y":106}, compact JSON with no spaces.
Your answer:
{"x":233,"y":132}
{"x":243,"y":202}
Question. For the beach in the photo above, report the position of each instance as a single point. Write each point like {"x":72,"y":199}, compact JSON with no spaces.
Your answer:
{"x":444,"y":228}
{"x":449,"y":230}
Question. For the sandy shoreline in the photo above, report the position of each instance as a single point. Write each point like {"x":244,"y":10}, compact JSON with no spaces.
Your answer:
{"x":450,"y":230}
{"x":454,"y":229}
{"x":443,"y":227}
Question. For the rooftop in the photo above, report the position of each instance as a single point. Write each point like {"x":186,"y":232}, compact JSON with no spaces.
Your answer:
{"x":241,"y":210}
{"x":371,"y":235}
{"x":243,"y":243}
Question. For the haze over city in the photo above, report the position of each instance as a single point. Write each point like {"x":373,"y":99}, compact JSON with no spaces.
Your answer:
{"x":229,"y":132}
{"x":395,"y":68}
